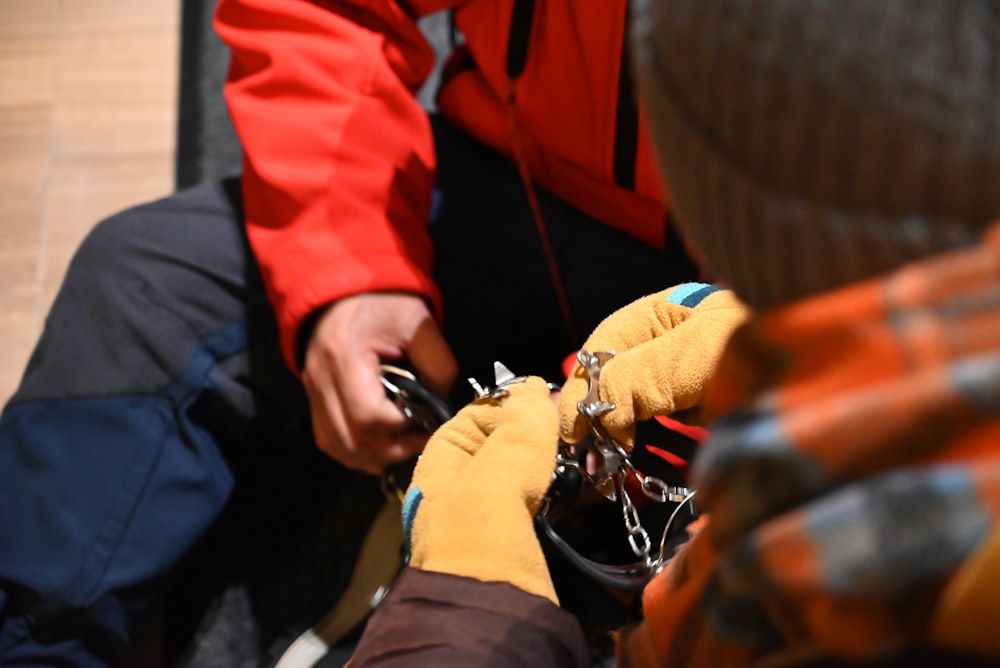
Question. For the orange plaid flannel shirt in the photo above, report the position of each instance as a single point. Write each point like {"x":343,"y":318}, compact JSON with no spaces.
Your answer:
{"x":852,"y":482}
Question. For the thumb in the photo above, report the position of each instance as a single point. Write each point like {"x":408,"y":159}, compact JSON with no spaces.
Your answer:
{"x":432,"y":358}
{"x":449,"y":451}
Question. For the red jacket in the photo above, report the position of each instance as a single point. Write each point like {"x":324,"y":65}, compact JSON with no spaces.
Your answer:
{"x":339,"y":159}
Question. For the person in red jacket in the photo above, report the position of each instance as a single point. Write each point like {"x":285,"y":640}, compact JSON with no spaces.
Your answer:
{"x":203,"y":345}
{"x":528,"y":83}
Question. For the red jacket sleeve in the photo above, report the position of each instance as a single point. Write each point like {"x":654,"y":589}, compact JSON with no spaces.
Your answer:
{"x":338,"y":155}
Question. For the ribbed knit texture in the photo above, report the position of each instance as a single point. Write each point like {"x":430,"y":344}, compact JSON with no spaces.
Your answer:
{"x":812,"y":143}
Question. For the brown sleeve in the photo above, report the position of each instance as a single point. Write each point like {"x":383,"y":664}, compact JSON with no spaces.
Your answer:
{"x":436,"y":619}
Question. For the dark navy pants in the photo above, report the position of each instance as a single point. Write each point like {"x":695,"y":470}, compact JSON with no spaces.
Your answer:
{"x":156,"y":419}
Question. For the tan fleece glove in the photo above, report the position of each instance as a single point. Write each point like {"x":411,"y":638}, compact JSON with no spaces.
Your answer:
{"x":476,"y":488}
{"x":667,"y":346}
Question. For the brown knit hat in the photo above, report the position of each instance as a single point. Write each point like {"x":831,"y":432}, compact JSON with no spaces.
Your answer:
{"x":812,"y":143}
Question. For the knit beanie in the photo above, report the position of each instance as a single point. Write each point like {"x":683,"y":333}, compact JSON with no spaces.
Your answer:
{"x":808,"y":144}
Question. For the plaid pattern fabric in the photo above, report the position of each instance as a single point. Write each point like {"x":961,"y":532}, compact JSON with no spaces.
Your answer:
{"x":854,"y":470}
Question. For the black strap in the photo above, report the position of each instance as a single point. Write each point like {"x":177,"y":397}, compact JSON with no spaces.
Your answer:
{"x":626,"y":577}
{"x":626,"y":118}
{"x":517,"y":40}
{"x":627,"y":110}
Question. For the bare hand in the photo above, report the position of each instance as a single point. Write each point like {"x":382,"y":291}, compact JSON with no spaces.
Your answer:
{"x":352,"y":419}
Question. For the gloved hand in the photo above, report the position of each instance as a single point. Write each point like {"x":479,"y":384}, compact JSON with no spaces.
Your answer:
{"x":667,"y":346}
{"x":477,"y":486}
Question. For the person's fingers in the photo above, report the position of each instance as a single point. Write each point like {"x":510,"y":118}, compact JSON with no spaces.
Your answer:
{"x":362,"y":395}
{"x":440,"y":471}
{"x":665,"y":353}
{"x":523,"y":445}
{"x":432,"y":358}
{"x":368,"y":450}
{"x":460,"y":438}
{"x":630,"y":326}
{"x":666,"y":375}
{"x":354,"y":421}
{"x":572,"y":426}
{"x":325,"y":433}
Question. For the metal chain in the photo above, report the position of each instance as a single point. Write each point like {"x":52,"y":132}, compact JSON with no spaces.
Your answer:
{"x":638,"y":537}
{"x":659,"y":491}
{"x":617,"y":465}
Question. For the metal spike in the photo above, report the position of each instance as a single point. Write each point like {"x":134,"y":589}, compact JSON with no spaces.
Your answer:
{"x":501,"y":374}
